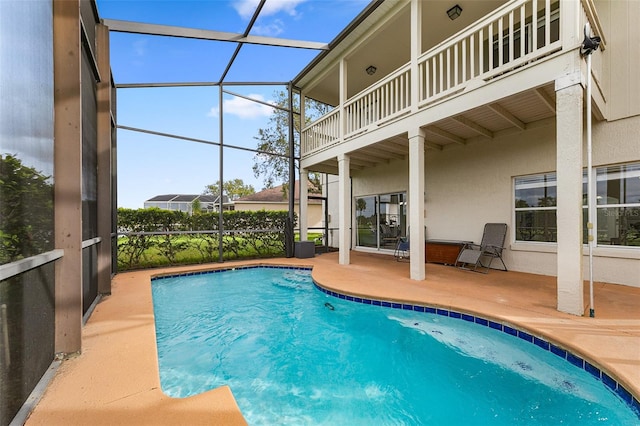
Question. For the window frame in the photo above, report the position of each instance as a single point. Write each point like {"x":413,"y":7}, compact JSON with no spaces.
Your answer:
{"x":622,"y":169}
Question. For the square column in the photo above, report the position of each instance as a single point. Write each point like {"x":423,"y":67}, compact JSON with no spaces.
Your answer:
{"x":344,"y":206}
{"x":569,"y":129}
{"x":416,"y":204}
{"x":304,"y":202}
{"x":67,"y":57}
{"x":106,"y":204}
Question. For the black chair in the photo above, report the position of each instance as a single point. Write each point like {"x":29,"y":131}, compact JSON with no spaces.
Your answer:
{"x":490,"y":248}
{"x":402,"y":249}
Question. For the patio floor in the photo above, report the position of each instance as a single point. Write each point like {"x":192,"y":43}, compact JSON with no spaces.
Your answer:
{"x":115,"y":379}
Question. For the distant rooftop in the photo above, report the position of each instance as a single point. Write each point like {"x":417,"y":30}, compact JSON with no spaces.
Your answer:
{"x":187,"y":198}
{"x":278,"y":195}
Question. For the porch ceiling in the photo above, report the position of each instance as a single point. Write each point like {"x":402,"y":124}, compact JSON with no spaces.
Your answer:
{"x":507,"y":116}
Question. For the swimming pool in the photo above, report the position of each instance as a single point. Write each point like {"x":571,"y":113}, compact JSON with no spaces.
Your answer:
{"x":295,"y":355}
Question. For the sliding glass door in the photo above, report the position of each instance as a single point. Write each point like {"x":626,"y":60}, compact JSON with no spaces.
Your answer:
{"x":381,"y":220}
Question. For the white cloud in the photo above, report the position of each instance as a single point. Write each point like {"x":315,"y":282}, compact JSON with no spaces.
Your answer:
{"x":271,"y":29}
{"x":246,"y":8}
{"x":243,"y":108}
{"x":139,"y":47}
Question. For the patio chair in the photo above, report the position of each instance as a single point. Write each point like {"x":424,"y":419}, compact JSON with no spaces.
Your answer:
{"x":490,"y":248}
{"x":402,"y":249}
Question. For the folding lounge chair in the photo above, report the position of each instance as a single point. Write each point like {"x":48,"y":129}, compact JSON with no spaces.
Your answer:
{"x":402,"y":249}
{"x":489,"y":248}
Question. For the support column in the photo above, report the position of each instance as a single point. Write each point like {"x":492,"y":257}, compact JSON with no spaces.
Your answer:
{"x":303,"y":210}
{"x":104,"y":200}
{"x":569,"y":129}
{"x":67,"y":56}
{"x":344,"y":203}
{"x":416,"y":204}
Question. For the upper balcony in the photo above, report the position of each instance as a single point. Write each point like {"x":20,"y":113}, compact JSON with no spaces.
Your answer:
{"x":502,"y":55}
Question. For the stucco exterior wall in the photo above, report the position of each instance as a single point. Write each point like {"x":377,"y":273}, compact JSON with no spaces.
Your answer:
{"x":382,"y":179}
{"x":468,"y":186}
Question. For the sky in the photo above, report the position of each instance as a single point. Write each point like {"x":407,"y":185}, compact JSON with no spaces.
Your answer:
{"x":150,"y":165}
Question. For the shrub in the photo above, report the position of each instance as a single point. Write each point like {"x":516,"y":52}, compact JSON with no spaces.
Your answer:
{"x":154,"y":237}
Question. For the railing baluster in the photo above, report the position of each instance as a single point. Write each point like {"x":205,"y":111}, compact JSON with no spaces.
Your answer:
{"x":427,"y":94}
{"x":500,"y":42}
{"x":455,"y":64}
{"x":464,"y":61}
{"x":481,"y":55}
{"x":447,"y":73}
{"x":534,"y":25}
{"x":400,"y":92}
{"x":441,"y":60}
{"x":547,"y":23}
{"x":511,"y":43}
{"x":472,"y":58}
{"x":523,"y":33}
{"x":407,"y":94}
{"x":434,"y":75}
{"x":492,"y":63}
{"x":421,"y":85}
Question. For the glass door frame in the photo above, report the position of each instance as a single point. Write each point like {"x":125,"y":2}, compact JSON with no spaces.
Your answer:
{"x":380,"y":220}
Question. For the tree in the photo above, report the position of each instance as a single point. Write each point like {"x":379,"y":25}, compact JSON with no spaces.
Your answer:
{"x":26,"y":210}
{"x":233,"y":189}
{"x":275,"y":139}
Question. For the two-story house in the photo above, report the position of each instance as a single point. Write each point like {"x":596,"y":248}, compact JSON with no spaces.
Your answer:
{"x":451,"y":115}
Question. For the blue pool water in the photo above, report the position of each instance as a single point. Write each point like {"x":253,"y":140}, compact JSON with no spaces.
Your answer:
{"x":295,"y":355}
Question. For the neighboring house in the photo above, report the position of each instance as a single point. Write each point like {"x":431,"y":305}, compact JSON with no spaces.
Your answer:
{"x":277,"y":199}
{"x":449,"y":124}
{"x":184,"y":202}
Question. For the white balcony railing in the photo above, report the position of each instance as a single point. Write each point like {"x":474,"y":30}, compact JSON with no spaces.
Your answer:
{"x":516,"y":34}
{"x":322,"y":133}
{"x":511,"y":36}
{"x":385,"y":100}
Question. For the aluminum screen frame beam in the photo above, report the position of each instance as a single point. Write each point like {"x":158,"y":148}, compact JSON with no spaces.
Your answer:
{"x":120,"y":26}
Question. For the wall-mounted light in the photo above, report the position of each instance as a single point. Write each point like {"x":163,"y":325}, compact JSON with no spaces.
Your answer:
{"x":454,"y":12}
{"x":371,"y":70}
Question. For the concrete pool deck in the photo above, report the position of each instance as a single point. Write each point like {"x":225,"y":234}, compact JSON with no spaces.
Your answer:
{"x":115,"y":379}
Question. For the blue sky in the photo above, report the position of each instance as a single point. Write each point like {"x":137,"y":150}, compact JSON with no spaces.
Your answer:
{"x":150,"y":165}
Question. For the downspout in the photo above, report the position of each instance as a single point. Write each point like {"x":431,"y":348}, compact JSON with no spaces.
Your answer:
{"x":589,"y":44}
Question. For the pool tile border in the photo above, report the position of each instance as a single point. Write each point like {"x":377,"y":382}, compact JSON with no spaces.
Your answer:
{"x":576,"y":360}
{"x":229,"y":268}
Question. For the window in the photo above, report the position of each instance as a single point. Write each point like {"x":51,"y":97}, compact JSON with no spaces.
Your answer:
{"x":535,"y":208}
{"x":617,"y":206}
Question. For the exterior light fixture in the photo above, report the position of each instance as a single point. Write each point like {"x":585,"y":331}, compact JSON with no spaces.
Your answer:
{"x":454,"y":12}
{"x":371,"y":70}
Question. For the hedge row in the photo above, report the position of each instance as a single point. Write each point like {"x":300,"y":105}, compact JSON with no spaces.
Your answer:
{"x":175,"y":238}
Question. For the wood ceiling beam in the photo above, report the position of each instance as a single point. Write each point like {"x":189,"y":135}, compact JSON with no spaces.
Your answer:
{"x":381,"y":151}
{"x":502,"y":112}
{"x":366,"y":155}
{"x":358,"y":162}
{"x":447,"y":135}
{"x":394,"y":147}
{"x":432,"y":145}
{"x":470,"y":124}
{"x":548,"y":100}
